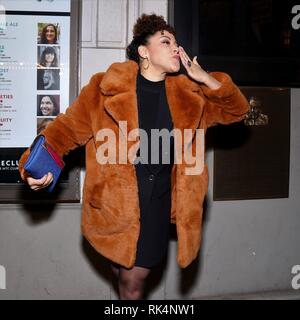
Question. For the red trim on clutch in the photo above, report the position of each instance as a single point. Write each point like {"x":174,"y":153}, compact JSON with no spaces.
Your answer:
{"x":56,"y":157}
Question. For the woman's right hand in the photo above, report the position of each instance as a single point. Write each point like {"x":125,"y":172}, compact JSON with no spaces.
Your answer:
{"x":37,"y":184}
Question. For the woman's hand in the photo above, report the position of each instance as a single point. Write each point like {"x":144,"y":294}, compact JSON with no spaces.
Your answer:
{"x":37,"y":184}
{"x":195,"y":71}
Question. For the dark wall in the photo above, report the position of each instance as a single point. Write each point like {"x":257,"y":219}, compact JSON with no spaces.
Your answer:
{"x":253,"y":41}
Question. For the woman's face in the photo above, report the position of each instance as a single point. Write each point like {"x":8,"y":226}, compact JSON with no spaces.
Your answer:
{"x":162,"y":52}
{"x":50,"y":34}
{"x":47,"y":106}
{"x":49,"y":57}
{"x":46,"y":77}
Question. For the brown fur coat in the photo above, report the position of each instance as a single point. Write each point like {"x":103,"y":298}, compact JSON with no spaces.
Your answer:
{"x":110,"y":217}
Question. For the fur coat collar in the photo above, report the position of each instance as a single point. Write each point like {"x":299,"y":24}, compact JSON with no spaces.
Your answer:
{"x":119,"y":86}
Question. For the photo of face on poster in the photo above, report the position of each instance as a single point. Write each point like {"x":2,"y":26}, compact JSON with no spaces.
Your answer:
{"x":48,"y":79}
{"x":42,"y":123}
{"x":48,"y":56}
{"x":48,"y":105}
{"x":48,"y":33}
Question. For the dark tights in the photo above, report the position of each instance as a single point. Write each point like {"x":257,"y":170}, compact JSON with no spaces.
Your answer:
{"x":130,"y":281}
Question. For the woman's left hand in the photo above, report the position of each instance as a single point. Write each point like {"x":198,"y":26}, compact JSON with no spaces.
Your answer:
{"x":193,"y":68}
{"x":195,"y":71}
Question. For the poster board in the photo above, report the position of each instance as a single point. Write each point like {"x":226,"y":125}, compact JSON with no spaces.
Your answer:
{"x":252,"y":157}
{"x":38,"y":80}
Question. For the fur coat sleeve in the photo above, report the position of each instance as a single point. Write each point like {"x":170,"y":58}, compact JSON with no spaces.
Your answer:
{"x":224,"y":105}
{"x":74,"y":127}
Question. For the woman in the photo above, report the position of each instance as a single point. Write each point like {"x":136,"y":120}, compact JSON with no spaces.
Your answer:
{"x":128,"y":205}
{"x":48,"y":58}
{"x":47,"y":106}
{"x":49,"y":34}
{"x":48,"y":79}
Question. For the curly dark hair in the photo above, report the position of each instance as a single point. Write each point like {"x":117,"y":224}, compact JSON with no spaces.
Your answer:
{"x":146,"y":26}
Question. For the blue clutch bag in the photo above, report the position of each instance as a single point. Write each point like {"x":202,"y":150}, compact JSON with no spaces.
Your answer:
{"x":43,"y":159}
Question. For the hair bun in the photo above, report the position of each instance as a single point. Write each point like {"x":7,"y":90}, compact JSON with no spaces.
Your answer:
{"x":145,"y":26}
{"x":149,"y":24}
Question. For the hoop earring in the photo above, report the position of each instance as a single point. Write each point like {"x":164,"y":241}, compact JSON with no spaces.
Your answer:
{"x":145,"y":68}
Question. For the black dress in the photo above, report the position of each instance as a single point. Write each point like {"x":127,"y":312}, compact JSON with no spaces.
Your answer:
{"x":154,"y":180}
